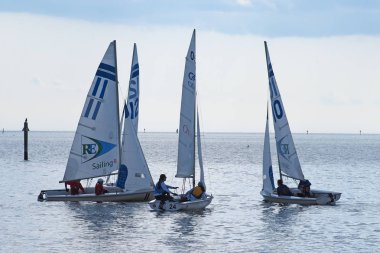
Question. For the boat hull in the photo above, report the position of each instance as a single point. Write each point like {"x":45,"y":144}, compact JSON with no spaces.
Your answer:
{"x":321,"y":198}
{"x":114,"y":195}
{"x":177,"y":206}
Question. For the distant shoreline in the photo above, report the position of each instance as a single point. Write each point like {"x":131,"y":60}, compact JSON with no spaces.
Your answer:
{"x":173,"y":132}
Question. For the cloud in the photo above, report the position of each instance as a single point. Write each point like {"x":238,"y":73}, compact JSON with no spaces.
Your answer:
{"x":244,"y":2}
{"x":328,"y":84}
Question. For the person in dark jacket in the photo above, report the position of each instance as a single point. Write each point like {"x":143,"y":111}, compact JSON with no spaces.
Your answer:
{"x":304,"y":187}
{"x":282,"y":189}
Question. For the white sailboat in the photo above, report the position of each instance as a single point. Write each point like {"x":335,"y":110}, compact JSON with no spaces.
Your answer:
{"x":96,"y":150}
{"x":288,"y":162}
{"x":189,"y":137}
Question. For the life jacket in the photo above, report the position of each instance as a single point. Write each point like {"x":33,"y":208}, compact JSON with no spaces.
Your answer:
{"x":197,"y":192}
{"x":158,"y":188}
{"x":99,"y":189}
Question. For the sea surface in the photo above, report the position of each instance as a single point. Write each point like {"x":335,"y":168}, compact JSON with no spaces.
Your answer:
{"x":237,"y":220}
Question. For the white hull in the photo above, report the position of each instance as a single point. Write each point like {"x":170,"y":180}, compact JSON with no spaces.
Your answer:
{"x":321,"y":198}
{"x":177,"y":206}
{"x":114,"y":195}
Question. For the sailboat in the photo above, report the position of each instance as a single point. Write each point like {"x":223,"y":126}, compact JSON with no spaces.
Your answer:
{"x":97,"y":150}
{"x":188,"y":137}
{"x":288,"y":162}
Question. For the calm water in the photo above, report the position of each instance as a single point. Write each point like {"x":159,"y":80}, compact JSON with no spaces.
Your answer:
{"x":236,"y":221}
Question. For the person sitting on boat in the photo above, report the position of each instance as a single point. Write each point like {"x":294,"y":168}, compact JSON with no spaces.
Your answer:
{"x":99,"y":189}
{"x":196,"y":193}
{"x":162,"y":192}
{"x":282,"y":189}
{"x":304,"y":187}
{"x":75,"y":186}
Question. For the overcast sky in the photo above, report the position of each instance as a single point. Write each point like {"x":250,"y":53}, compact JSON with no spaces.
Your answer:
{"x":325,"y":56}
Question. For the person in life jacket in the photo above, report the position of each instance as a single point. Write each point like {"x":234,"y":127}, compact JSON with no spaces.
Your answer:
{"x":282,"y":189}
{"x":162,"y":192}
{"x":196,"y":193}
{"x":304,"y":187}
{"x":75,"y":186}
{"x":99,"y":189}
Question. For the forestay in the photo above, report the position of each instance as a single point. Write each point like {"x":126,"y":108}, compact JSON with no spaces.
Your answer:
{"x":134,"y":171}
{"x":186,"y":143}
{"x":287,"y":155}
{"x":95,"y":149}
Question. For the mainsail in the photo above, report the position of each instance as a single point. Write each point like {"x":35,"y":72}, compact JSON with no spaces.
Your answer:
{"x":186,"y":142}
{"x":268,"y":181}
{"x":95,"y":149}
{"x":134,"y":171}
{"x":287,"y":154}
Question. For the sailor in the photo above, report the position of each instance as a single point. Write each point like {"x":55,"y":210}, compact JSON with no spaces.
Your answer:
{"x":162,"y":192}
{"x":99,"y":189}
{"x":304,"y":187}
{"x":196,"y":193}
{"x":75,"y":186}
{"x":282,"y":189}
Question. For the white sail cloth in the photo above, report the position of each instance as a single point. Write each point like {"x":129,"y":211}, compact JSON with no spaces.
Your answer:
{"x":95,"y":149}
{"x":287,"y":154}
{"x":186,"y":142}
{"x":200,"y":158}
{"x":134,"y":172}
{"x":268,"y":181}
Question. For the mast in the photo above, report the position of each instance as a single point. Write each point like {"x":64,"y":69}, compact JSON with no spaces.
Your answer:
{"x":195,"y":105}
{"x":117,"y":102}
{"x":195,"y":136}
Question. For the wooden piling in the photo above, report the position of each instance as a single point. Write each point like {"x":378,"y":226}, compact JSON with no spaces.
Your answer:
{"x":26,"y":130}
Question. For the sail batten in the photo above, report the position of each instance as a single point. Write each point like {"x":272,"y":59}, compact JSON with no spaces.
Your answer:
{"x":286,"y":151}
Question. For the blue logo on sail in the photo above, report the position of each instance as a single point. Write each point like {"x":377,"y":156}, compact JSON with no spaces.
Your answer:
{"x":92,"y":148}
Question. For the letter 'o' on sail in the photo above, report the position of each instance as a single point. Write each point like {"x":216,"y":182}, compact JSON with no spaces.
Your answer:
{"x":95,"y":151}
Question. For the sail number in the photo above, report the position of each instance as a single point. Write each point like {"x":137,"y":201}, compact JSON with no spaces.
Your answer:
{"x":132,"y":108}
{"x":172,"y":206}
{"x":278,"y":112}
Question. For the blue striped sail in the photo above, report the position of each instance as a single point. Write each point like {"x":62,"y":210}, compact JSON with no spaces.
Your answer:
{"x":95,"y":149}
{"x":134,"y":174}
